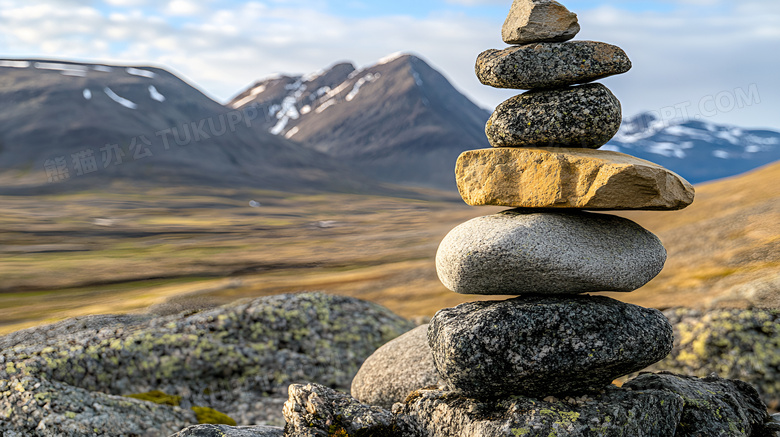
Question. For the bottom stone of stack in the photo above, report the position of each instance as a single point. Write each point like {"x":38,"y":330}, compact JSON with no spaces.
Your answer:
{"x":540,"y":346}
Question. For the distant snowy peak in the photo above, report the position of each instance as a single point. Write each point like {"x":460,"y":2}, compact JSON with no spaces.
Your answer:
{"x":287,"y":100}
{"x":695,"y":148}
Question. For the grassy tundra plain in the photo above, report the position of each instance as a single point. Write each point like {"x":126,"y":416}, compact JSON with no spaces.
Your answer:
{"x":165,"y":250}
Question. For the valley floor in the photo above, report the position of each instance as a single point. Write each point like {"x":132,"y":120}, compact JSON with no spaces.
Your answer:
{"x":165,"y":250}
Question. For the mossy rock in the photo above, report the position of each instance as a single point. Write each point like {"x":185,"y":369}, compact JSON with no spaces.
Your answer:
{"x":212,"y":416}
{"x":158,"y":397}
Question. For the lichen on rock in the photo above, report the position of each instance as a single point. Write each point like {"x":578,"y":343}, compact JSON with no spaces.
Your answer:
{"x":237,"y":359}
{"x":732,"y":343}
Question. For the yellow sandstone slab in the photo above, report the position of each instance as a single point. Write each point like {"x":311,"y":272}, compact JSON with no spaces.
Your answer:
{"x":568,"y":178}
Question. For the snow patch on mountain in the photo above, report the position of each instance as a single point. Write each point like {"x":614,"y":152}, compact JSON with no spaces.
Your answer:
{"x":121,"y":100}
{"x":312,"y":76}
{"x":292,"y":132}
{"x":14,"y":64}
{"x":325,"y":106}
{"x":142,"y":73}
{"x":289,"y":107}
{"x":368,"y":78}
{"x":417,"y":79}
{"x":64,"y":69}
{"x":156,"y":95}
{"x":676,"y":150}
{"x":390,"y":58}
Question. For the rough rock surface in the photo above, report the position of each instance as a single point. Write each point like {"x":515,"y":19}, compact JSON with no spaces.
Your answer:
{"x":677,"y":406}
{"x":237,"y":359}
{"x":537,"y":21}
{"x":568,"y":178}
{"x":31,"y":407}
{"x":735,"y":344}
{"x":585,"y":116}
{"x":614,"y":412}
{"x":582,"y":252}
{"x":396,"y":369}
{"x":548,"y":65}
{"x":540,"y":346}
{"x":230,"y":431}
{"x":314,"y":410}
{"x":712,"y":406}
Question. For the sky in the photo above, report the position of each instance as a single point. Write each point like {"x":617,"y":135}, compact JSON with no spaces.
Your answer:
{"x":715,"y":60}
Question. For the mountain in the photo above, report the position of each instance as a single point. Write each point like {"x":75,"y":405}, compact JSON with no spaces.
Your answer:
{"x":399,"y":119}
{"x":697,"y":150}
{"x":90,"y":124}
{"x":341,"y":129}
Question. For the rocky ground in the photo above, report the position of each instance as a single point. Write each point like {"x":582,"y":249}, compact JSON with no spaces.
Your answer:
{"x":68,"y":378}
{"x":238,"y":359}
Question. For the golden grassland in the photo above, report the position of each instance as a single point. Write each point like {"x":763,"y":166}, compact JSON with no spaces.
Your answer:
{"x":171,"y":249}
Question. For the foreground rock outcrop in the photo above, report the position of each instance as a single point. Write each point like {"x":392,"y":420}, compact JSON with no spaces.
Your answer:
{"x":238,"y":359}
{"x":733,"y":343}
{"x":650,"y":405}
{"x":32,"y":407}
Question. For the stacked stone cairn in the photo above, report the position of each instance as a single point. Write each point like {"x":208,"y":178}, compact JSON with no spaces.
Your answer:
{"x":552,"y":339}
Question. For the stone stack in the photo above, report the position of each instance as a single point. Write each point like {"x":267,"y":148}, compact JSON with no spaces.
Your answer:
{"x":552,"y":338}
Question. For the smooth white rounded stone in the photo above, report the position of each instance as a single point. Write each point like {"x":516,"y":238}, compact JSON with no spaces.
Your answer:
{"x":525,"y":251}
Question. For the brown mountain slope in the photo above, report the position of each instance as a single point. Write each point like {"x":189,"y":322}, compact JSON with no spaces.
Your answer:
{"x":724,"y":250}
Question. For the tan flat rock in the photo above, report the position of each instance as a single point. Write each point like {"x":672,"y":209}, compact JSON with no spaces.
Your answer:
{"x":539,"y":21}
{"x":541,"y":177}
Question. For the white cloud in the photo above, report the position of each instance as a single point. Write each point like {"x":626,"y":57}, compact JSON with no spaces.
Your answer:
{"x":679,"y":56}
{"x":183,"y":7}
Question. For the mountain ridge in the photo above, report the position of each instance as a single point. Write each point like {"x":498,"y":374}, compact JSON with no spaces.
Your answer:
{"x":399,"y":118}
{"x":91,"y":124}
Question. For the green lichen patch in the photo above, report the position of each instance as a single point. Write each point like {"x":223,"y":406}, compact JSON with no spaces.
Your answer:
{"x":212,"y":416}
{"x":158,"y":397}
{"x":734,"y":344}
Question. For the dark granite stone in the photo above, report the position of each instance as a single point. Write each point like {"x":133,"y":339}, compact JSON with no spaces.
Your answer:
{"x":614,"y":413}
{"x":581,"y":116}
{"x":550,"y":65}
{"x":540,"y":346}
{"x":230,"y":431}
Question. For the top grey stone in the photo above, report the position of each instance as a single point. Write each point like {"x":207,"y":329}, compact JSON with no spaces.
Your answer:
{"x":539,"y":21}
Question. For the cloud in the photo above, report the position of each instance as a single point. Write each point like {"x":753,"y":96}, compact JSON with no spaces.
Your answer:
{"x":680,"y":55}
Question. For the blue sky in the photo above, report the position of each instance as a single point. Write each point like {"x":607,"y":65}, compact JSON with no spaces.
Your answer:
{"x":684,"y":52}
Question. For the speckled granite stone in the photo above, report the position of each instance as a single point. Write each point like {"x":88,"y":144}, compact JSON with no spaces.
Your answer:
{"x":538,"y":21}
{"x":540,"y":346}
{"x":614,"y":413}
{"x":582,"y":116}
{"x":519,"y":252}
{"x":549,"y":65}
